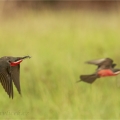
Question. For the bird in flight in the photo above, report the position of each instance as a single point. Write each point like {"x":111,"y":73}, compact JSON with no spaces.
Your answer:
{"x":10,"y":73}
{"x":105,"y":68}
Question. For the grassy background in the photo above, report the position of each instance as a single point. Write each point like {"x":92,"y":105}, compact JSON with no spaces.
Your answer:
{"x":59,"y":43}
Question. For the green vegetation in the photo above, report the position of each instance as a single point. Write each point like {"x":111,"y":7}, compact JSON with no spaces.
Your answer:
{"x":59,"y":43}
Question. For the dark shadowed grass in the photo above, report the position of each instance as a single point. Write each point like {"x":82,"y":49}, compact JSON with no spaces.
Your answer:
{"x":60,"y":43}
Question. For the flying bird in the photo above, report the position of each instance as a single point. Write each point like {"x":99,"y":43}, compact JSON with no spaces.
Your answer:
{"x":105,"y":68}
{"x":10,"y":73}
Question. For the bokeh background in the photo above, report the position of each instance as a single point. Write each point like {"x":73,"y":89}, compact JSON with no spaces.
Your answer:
{"x":60,"y":36}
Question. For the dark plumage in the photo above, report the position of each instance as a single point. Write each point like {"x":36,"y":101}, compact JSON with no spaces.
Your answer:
{"x":10,"y":72}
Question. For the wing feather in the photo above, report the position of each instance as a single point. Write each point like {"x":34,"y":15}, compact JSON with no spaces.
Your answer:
{"x":96,"y":62}
{"x":103,"y":63}
{"x":6,"y":82}
{"x":16,"y":77}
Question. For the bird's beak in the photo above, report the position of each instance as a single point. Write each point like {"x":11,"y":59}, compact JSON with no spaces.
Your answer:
{"x":117,"y":72}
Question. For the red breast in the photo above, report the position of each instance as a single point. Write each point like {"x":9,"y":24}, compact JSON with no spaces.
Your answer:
{"x":106,"y":72}
{"x":15,"y":63}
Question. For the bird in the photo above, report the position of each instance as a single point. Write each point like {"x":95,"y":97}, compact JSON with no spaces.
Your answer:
{"x":105,"y":68}
{"x":10,"y":73}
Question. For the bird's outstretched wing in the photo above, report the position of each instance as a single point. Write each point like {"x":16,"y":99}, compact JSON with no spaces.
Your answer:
{"x":16,"y":77}
{"x":100,"y":61}
{"x":103,"y":63}
{"x":6,"y":82}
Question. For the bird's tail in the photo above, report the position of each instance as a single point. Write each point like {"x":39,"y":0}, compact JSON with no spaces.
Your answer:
{"x":88,"y":78}
{"x":25,"y":57}
{"x":19,"y":59}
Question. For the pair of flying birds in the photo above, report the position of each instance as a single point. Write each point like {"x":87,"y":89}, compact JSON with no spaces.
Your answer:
{"x":10,"y":72}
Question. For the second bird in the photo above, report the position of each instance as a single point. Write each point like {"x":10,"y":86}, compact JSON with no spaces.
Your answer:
{"x":10,"y":73}
{"x":105,"y":68}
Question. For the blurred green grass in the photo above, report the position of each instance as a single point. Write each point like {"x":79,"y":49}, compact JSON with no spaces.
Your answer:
{"x":59,"y":43}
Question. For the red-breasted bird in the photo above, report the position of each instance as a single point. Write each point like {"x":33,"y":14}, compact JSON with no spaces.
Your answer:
{"x":105,"y":68}
{"x":10,"y":73}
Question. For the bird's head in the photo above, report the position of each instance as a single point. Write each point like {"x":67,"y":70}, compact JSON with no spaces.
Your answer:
{"x":116,"y":71}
